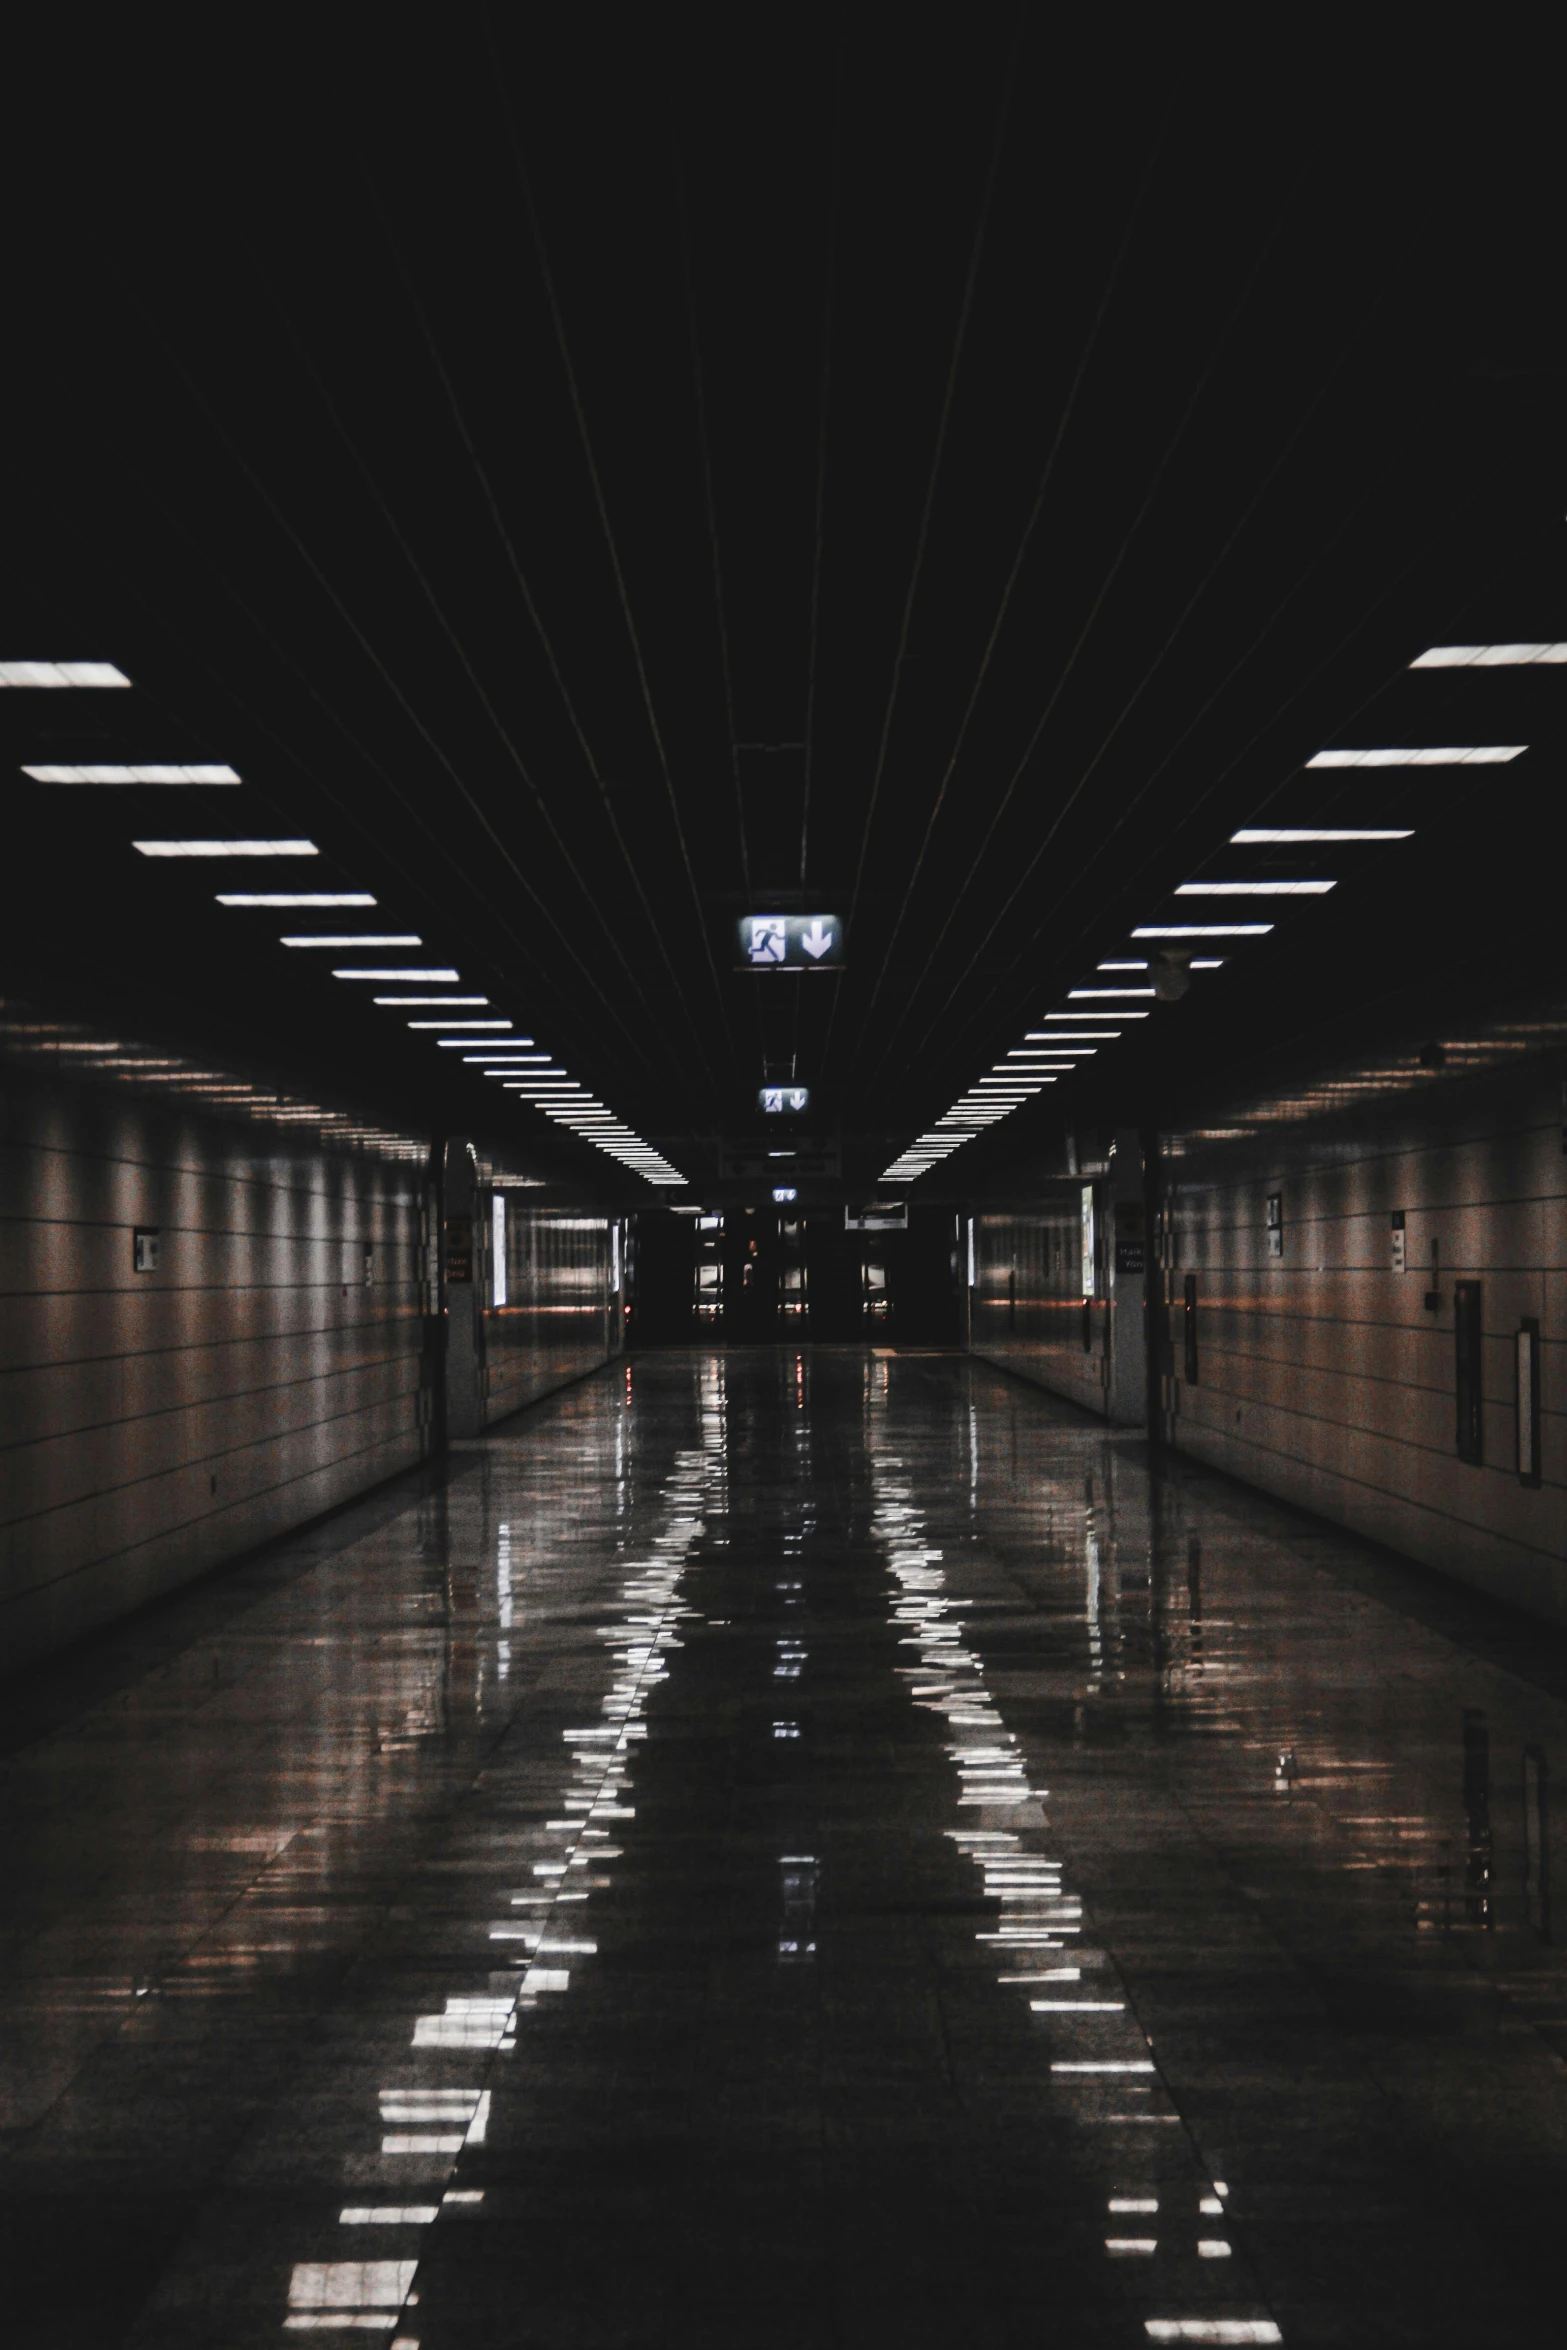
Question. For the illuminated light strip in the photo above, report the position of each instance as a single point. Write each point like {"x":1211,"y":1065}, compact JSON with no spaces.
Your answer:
{"x":383,"y":971}
{"x":61,"y":673}
{"x":470,"y":1024}
{"x":1489,"y":656}
{"x":225,"y":848}
{"x":280,"y":897}
{"x":324,"y":939}
{"x":1453,"y":755}
{"x":1202,"y":930}
{"x":1255,"y":889}
{"x":1211,"y":2329}
{"x":430,"y":999}
{"x":1256,"y":836}
{"x":1080,"y":994}
{"x":131,"y":774}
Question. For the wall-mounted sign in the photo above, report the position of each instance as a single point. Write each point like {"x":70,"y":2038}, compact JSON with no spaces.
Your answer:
{"x":1089,"y":1254}
{"x":146,"y":1248}
{"x":790,"y":942}
{"x":1275,"y":1223}
{"x":783,"y":1100}
{"x":784,"y":1192}
{"x":459,"y":1248}
{"x":1128,"y":1239}
{"x":877,"y":1216}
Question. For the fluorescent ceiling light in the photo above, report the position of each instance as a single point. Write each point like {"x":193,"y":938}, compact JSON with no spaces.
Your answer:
{"x":1120,"y":1013}
{"x":56,"y":673}
{"x":1121,"y":966}
{"x":1206,"y":963}
{"x":1081,"y":994}
{"x":386,"y":939}
{"x":430,"y":999}
{"x":1289,"y":836}
{"x":1473,"y":755}
{"x":1488,"y":656}
{"x":131,"y":774}
{"x":1202,"y":930}
{"x":287,"y":897}
{"x":386,"y":971}
{"x":226,"y":848}
{"x":459,"y":1023}
{"x":1255,"y":889}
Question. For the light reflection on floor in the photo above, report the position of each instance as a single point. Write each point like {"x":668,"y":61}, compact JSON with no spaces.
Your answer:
{"x":792,"y":1848}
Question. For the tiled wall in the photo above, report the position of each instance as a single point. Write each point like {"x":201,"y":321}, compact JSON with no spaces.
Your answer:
{"x":560,"y":1318}
{"x":1026,"y":1306}
{"x":1323,"y":1374}
{"x":154,"y":1423}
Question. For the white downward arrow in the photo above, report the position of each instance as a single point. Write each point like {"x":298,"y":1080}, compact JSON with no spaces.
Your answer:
{"x":816,"y":940}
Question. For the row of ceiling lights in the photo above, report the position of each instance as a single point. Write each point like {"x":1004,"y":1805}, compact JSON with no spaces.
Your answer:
{"x":1068,"y":1037}
{"x":512,"y":1060}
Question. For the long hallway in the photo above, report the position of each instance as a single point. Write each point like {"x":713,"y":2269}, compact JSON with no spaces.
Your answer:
{"x":789,"y":1848}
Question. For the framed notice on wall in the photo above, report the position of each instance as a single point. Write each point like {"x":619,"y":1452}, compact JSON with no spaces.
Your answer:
{"x":459,"y":1248}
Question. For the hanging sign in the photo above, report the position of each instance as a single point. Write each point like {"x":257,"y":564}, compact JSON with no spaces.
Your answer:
{"x":790,"y":942}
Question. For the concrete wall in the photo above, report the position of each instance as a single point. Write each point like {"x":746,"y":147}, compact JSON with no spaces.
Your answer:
{"x":153,"y":1424}
{"x":279,"y":1359}
{"x":1323,"y":1374}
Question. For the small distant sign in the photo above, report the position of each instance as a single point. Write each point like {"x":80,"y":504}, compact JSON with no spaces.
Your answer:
{"x":783,"y":1100}
{"x":1129,"y":1247}
{"x":459,"y":1248}
{"x":877,"y":1216}
{"x":784,"y":1192}
{"x":790,"y":942}
{"x":146,"y":1248}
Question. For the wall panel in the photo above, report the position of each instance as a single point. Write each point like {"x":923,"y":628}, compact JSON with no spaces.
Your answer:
{"x":154,"y":1424}
{"x":1326,"y":1376}
{"x":1026,"y":1308}
{"x":560,"y":1318}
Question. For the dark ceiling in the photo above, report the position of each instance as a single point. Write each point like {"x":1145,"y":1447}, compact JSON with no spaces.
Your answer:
{"x":595,"y":481}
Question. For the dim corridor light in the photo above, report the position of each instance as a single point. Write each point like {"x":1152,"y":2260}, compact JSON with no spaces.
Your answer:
{"x":93,"y":674}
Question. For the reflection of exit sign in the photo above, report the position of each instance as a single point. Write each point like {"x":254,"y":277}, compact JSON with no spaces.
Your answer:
{"x":790,"y":942}
{"x":783,"y":1100}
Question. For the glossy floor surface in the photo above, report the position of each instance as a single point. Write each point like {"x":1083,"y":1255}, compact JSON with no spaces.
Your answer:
{"x":774,"y":1850}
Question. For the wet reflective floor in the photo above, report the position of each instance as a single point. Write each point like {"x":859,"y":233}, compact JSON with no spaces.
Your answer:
{"x":790,"y":1850}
